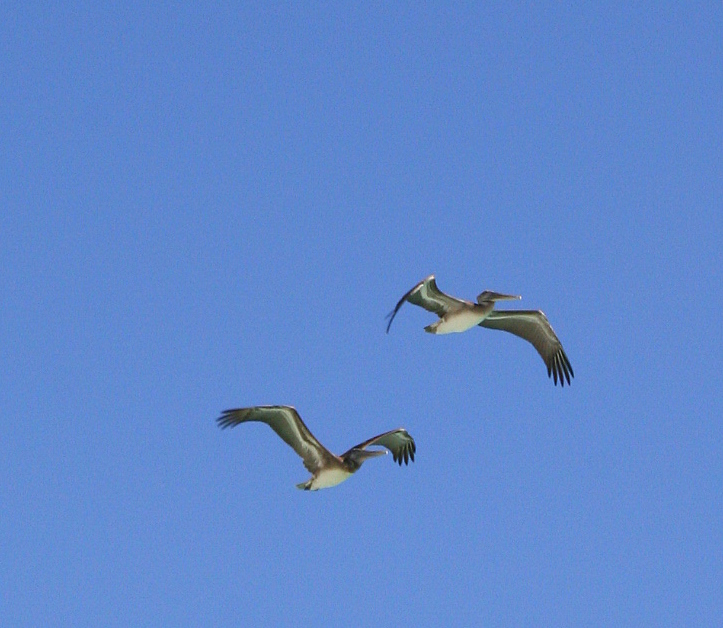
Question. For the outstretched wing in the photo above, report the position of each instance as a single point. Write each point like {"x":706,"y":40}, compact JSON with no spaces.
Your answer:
{"x":426,"y":294}
{"x":533,"y":326}
{"x":399,"y":442}
{"x":287,"y":423}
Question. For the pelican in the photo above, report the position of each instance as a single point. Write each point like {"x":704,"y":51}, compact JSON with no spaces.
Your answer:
{"x":327,"y":469}
{"x":457,"y":315}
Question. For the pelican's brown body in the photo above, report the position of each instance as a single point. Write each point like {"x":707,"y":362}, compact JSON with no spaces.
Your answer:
{"x":327,"y":469}
{"x":458,"y":315}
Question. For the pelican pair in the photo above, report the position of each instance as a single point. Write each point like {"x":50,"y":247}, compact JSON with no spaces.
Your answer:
{"x":455,"y":315}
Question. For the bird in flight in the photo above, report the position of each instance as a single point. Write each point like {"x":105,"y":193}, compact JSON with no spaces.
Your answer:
{"x":326,"y":468}
{"x":457,"y":315}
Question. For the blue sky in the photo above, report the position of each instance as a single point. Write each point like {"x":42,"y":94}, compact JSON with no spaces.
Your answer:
{"x":208,"y":207}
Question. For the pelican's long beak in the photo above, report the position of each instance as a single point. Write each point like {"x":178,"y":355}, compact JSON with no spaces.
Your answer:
{"x":360,"y":455}
{"x":488,"y":295}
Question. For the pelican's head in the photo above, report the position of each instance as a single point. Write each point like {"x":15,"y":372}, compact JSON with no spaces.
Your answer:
{"x":356,"y":457}
{"x":490,"y":297}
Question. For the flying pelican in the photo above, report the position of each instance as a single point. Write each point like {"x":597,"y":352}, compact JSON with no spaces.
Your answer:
{"x":456,"y":315}
{"x":327,"y":469}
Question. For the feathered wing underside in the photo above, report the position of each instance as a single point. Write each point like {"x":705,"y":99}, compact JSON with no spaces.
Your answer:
{"x":533,"y":326}
{"x":426,"y":294}
{"x":399,"y":442}
{"x":287,"y":423}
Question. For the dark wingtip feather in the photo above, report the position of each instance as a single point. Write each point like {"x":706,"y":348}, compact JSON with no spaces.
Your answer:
{"x":226,"y":420}
{"x":567,"y":362}
{"x":564,"y":367}
{"x":390,"y":316}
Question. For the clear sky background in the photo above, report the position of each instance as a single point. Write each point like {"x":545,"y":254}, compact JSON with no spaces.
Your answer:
{"x":207,"y":207}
